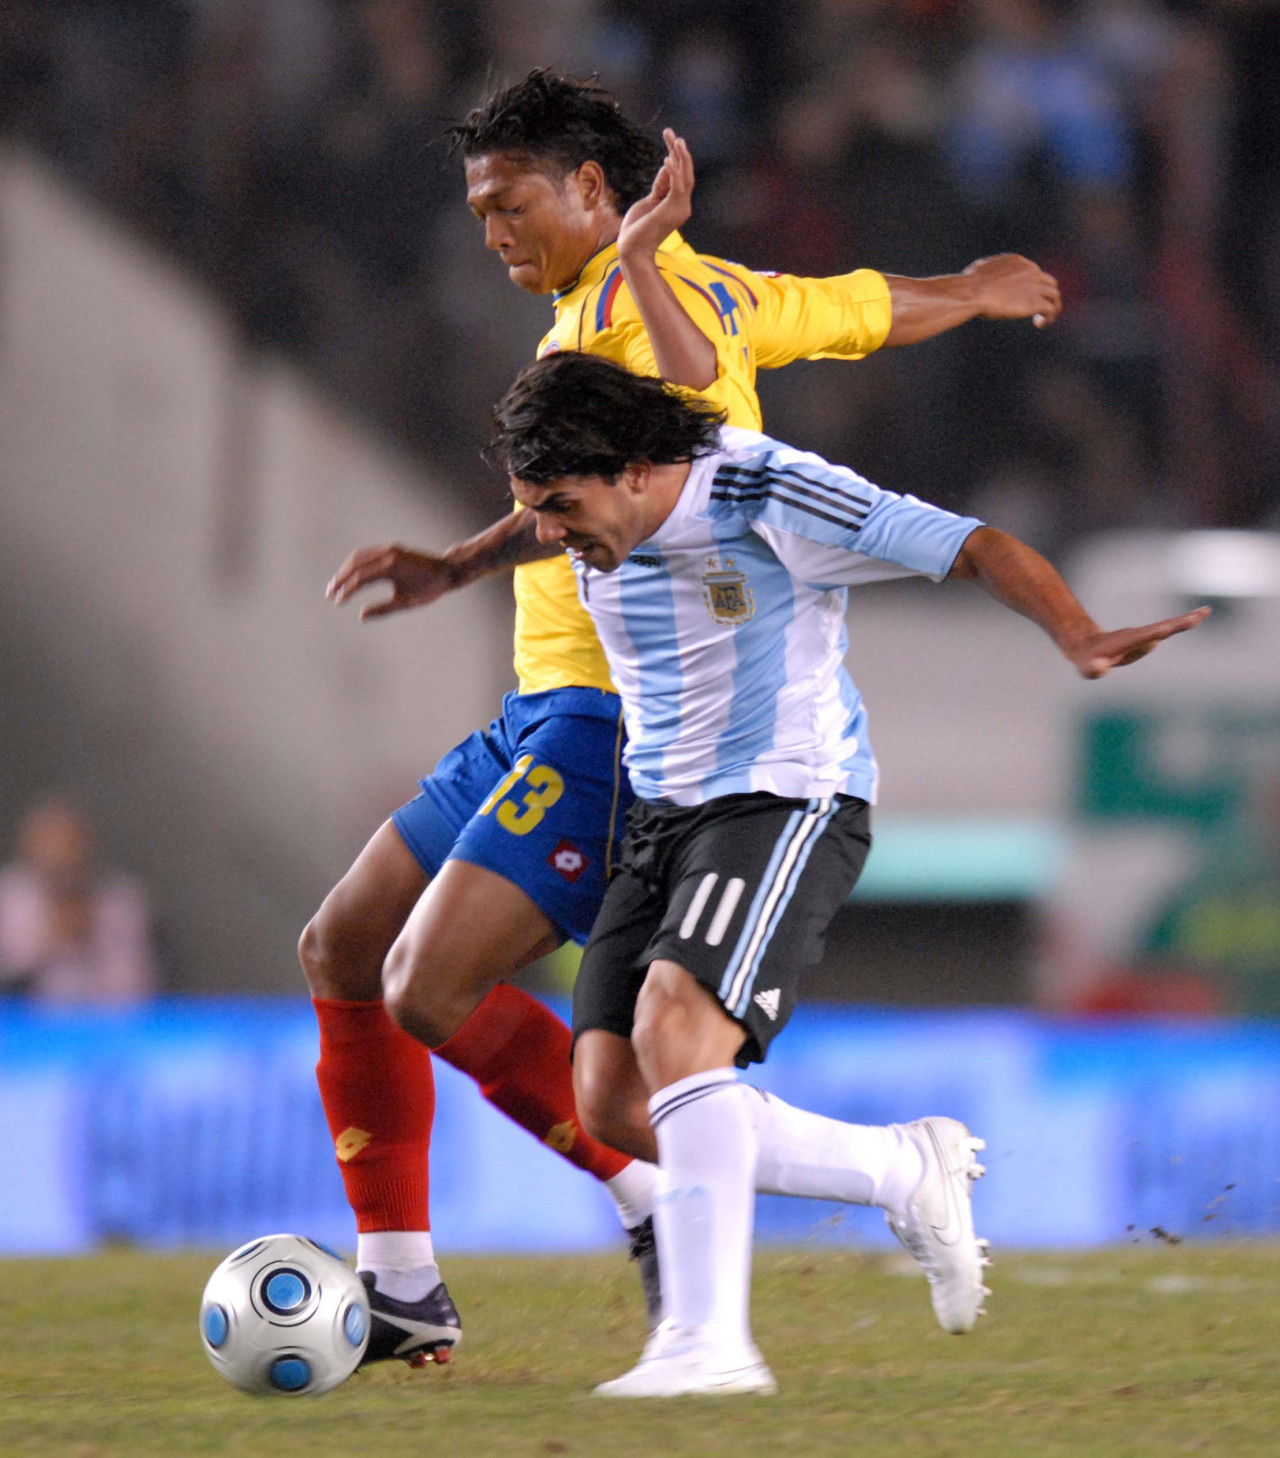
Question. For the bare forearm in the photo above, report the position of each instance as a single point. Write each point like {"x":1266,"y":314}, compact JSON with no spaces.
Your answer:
{"x":924,"y":307}
{"x":682,"y":352}
{"x":1006,"y":286}
{"x":1019,"y":577}
{"x":508,"y":543}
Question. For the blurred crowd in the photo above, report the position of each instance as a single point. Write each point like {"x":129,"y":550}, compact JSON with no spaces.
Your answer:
{"x":287,"y":150}
{"x":72,"y":928}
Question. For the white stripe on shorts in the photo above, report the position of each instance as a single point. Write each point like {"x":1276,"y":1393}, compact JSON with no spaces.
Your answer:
{"x":700,"y":898}
{"x":756,"y":934}
{"x":724,"y":912}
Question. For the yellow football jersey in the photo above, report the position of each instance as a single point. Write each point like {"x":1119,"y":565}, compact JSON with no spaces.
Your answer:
{"x":756,"y":321}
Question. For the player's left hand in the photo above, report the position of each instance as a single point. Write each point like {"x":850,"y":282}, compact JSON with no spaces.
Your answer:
{"x":667,"y":207}
{"x":1098,"y":653}
{"x":416,"y":578}
{"x":1008,"y":286}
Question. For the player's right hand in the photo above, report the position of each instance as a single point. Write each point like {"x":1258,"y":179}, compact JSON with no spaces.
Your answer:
{"x":668,"y":206}
{"x":1009,"y":286}
{"x":416,"y":578}
{"x":1098,"y":653}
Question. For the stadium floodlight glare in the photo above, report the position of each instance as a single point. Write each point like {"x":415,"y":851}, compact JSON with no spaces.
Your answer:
{"x":1226,"y":564}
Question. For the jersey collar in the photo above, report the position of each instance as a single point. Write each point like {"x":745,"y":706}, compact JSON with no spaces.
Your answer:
{"x":691,"y":499}
{"x":595,"y":268}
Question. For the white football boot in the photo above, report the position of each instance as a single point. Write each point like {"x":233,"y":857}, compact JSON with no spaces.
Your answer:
{"x":937,"y":1224}
{"x":678,"y":1363}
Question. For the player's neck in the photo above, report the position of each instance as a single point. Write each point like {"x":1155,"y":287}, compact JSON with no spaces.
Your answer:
{"x":666,"y":485}
{"x":593,"y":244}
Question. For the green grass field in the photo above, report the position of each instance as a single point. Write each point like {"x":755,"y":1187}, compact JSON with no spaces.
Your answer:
{"x":1149,"y":1349}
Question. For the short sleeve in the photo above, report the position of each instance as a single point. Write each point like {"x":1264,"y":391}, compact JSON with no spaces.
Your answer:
{"x":633,"y":347}
{"x":626,"y":341}
{"x":832,"y":527}
{"x":844,"y":317}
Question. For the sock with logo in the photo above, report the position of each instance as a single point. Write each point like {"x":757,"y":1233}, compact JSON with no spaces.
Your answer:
{"x":706,"y":1206}
{"x":518,"y":1051}
{"x":379,"y":1097}
{"x":826,"y":1159}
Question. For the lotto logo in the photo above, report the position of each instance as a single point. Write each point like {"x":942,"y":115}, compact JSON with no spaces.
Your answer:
{"x":562,"y":1136}
{"x":350,"y":1142}
{"x":568,"y":860}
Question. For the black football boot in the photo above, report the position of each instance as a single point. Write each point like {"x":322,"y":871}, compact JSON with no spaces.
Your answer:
{"x":418,"y":1332}
{"x":644,"y":1251}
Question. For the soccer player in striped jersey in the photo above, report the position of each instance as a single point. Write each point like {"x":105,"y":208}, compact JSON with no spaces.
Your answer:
{"x":714,"y":563}
{"x":506,"y":851}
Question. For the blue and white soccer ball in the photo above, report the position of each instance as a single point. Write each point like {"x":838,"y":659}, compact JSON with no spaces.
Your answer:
{"x":283,"y":1316}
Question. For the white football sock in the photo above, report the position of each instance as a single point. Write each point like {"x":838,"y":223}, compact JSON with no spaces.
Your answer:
{"x":635,"y":1192}
{"x":806,"y":1154}
{"x":706,"y":1205}
{"x":403,"y":1261}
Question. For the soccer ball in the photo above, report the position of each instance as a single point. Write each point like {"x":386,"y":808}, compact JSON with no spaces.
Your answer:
{"x":284,"y":1316}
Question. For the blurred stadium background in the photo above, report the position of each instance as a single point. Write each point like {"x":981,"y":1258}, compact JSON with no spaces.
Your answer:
{"x":247,"y":324}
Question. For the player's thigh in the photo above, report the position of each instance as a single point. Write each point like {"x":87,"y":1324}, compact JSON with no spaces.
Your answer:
{"x":343,"y":946}
{"x":614,"y":964}
{"x":752,"y":889}
{"x":470,"y":929}
{"x":551,"y":825}
{"x":681,"y":1027}
{"x":526,"y":870}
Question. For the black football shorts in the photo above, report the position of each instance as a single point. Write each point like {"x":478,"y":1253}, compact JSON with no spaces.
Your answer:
{"x":739,"y":892}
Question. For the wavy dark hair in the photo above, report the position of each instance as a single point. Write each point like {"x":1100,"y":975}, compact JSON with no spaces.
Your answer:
{"x":563,"y":122}
{"x":575,"y":414}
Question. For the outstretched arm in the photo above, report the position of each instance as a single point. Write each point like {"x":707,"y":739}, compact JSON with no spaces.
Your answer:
{"x":1019,"y":577}
{"x":419,"y":578}
{"x":682,"y":352}
{"x":1007,"y":286}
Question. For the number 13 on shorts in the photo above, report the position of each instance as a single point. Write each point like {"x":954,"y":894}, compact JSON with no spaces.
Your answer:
{"x":545,"y":786}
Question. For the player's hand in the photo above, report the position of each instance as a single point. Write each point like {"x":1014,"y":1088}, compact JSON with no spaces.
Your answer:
{"x":1009,"y":286}
{"x":1098,"y":653}
{"x":667,"y":207}
{"x":416,"y":578}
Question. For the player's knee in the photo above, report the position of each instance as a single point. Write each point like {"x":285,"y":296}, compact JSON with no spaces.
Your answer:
{"x":593,"y":1099}
{"x":663,"y":1011}
{"x":320,"y":950}
{"x":426,"y":1007}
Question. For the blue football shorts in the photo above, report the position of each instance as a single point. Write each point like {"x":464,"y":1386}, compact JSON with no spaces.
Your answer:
{"x":540,"y":798}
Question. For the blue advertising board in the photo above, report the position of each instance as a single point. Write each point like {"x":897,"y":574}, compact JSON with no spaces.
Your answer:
{"x":196,"y":1122}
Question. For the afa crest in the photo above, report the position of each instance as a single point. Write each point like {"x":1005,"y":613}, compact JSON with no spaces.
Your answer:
{"x":727,"y":592}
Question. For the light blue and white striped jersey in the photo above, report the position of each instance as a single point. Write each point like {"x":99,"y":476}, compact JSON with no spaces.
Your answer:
{"x":725,"y":631}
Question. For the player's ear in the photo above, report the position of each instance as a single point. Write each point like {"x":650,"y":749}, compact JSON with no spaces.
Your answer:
{"x":593,"y":189}
{"x":635,"y":477}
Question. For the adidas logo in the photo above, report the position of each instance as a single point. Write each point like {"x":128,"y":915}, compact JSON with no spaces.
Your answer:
{"x":769,"y":1002}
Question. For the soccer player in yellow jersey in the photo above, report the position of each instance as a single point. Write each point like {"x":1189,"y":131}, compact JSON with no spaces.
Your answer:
{"x":507,"y":850}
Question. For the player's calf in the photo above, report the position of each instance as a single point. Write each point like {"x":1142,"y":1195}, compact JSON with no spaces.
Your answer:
{"x":611,"y":1096}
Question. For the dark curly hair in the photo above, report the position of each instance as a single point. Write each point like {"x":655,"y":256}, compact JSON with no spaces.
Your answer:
{"x":575,"y":414}
{"x":556,"y":120}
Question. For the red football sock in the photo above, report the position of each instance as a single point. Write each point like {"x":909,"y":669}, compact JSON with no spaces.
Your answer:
{"x":379,"y":1094}
{"x":518,"y":1052}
